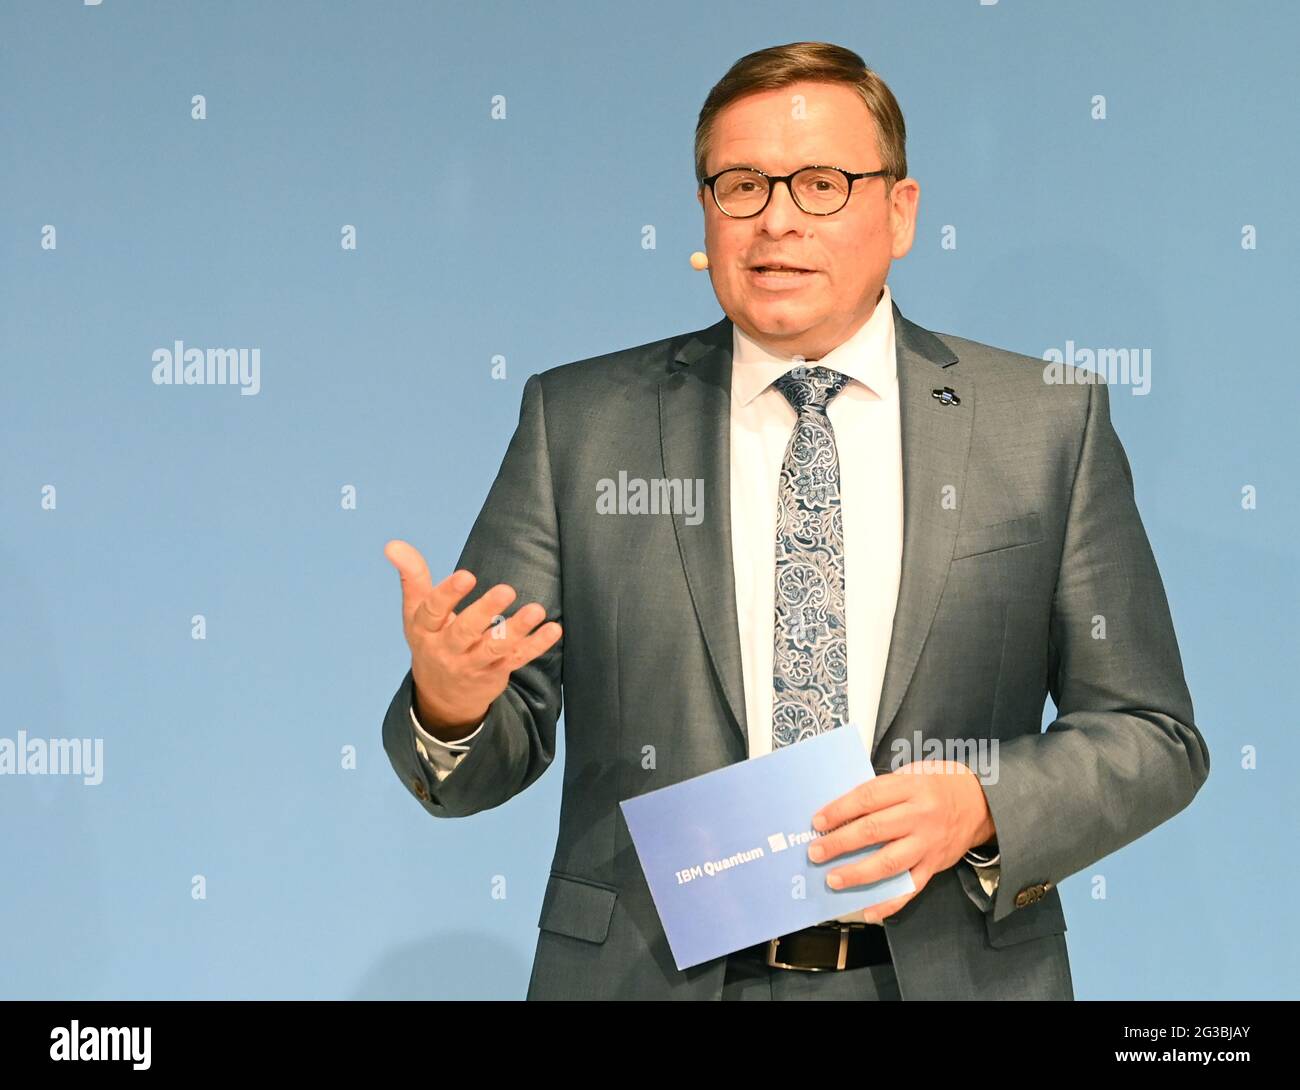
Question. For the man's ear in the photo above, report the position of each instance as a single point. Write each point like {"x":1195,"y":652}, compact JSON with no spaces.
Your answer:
{"x":904,"y":200}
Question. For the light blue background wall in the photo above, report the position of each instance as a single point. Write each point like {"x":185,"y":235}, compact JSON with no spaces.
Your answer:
{"x":522,"y":238}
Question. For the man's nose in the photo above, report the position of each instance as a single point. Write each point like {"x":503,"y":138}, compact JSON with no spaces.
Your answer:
{"x":781,"y":214}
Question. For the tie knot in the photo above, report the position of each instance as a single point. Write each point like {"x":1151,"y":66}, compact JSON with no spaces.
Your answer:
{"x":813,"y":387}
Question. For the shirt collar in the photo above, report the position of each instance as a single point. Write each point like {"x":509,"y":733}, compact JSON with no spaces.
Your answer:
{"x":867,"y":357}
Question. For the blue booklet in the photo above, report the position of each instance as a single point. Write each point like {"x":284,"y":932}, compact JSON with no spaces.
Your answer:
{"x":726,"y":853}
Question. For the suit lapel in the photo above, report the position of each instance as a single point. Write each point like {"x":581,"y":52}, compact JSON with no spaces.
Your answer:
{"x":936,"y":447}
{"x":695,"y":442}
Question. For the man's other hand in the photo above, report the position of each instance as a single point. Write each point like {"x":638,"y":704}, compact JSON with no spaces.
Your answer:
{"x":927,"y":815}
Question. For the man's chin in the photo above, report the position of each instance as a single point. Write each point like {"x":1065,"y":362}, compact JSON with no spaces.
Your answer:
{"x":780,"y":320}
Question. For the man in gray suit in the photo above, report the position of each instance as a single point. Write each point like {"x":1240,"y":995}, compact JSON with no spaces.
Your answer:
{"x":809,"y":513}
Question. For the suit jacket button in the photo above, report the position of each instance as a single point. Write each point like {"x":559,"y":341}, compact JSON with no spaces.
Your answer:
{"x":421,"y":792}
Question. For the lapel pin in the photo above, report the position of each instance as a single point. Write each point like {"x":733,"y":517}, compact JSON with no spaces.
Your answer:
{"x":946,"y":396}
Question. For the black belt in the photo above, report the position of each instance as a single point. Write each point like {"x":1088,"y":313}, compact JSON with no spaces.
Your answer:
{"x":826,"y":946}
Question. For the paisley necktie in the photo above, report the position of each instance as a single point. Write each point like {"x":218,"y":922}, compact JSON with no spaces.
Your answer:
{"x":810,"y":665}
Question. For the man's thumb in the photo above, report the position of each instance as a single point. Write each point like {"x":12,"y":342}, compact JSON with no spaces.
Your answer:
{"x":410,"y":565}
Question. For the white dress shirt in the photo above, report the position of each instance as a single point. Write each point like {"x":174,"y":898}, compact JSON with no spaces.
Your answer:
{"x":865,"y":418}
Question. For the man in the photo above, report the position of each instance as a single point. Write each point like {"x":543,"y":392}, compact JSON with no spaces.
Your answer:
{"x":890,"y":527}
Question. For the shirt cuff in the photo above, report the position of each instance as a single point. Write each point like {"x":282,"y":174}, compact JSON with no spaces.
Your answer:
{"x":987,"y":868}
{"x":460,"y":745}
{"x":988,"y":878}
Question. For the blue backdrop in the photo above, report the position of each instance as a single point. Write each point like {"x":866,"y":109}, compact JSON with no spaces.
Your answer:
{"x":136,"y":516}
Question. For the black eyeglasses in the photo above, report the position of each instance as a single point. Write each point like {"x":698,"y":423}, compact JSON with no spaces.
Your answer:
{"x":741,"y":192}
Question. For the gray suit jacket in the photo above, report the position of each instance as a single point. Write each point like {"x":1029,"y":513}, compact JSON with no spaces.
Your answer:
{"x":1001,"y":593}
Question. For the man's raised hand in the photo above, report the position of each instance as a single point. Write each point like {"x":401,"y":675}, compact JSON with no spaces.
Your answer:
{"x":462,"y":662}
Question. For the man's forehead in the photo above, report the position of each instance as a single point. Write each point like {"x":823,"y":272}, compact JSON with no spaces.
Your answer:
{"x":779,"y":133}
{"x":796,"y":104}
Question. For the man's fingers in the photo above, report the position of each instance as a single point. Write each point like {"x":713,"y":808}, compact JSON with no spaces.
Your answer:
{"x":432,"y":611}
{"x":417,"y":585}
{"x":894,"y":858}
{"x":509,"y":643}
{"x":431,"y":607}
{"x":468,"y":627}
{"x":877,"y":827}
{"x":874,"y":794}
{"x":500,"y":640}
{"x":538,"y":643}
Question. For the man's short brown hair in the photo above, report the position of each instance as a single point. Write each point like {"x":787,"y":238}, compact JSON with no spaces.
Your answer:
{"x":782,"y":65}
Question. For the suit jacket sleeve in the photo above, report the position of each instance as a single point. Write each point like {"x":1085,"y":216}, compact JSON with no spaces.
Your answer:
{"x":1123,"y":754}
{"x":514,"y":540}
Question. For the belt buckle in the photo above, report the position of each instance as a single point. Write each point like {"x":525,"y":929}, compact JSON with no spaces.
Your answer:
{"x":840,"y":960}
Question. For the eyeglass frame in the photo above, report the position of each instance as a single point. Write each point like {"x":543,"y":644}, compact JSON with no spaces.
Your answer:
{"x":772,"y":179}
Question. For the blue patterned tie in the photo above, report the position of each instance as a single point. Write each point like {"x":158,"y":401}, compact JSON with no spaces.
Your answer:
{"x":810,"y":667}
